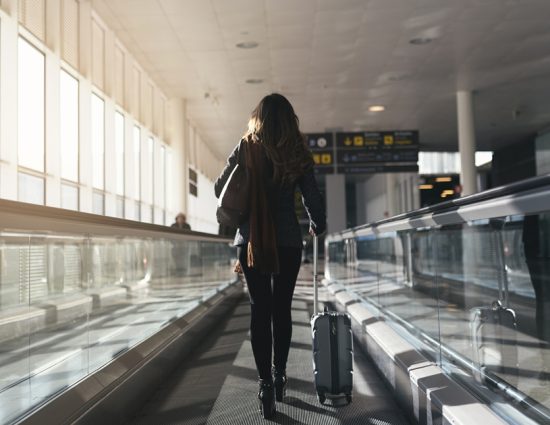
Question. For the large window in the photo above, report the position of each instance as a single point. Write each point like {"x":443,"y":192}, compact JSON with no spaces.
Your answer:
{"x":120,"y":207}
{"x":30,"y":106}
{"x":30,"y":189}
{"x":98,"y":203}
{"x":119,"y":141}
{"x":68,"y":98}
{"x":69,"y":197}
{"x":98,"y":142}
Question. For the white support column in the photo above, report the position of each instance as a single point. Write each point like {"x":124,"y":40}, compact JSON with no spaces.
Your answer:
{"x":391,"y":206}
{"x":110,"y":158}
{"x":129,"y":172}
{"x":85,"y":150}
{"x":53,"y":119}
{"x":361,"y":202}
{"x":85,"y":105}
{"x":52,"y":131}
{"x":336,"y":202}
{"x":177,"y":123}
{"x":466,"y":141}
{"x":8,"y":102}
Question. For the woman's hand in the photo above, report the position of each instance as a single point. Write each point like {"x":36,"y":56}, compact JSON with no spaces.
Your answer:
{"x":312,"y":232}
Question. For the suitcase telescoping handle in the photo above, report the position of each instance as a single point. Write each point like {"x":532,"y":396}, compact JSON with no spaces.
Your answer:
{"x":315,"y":293}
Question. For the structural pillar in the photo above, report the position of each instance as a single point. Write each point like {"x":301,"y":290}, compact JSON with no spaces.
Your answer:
{"x":361,"y":202}
{"x":336,"y":202}
{"x":391,"y":208}
{"x":177,"y":119}
{"x":466,"y":142}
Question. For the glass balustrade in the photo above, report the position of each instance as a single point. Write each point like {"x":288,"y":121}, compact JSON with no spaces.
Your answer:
{"x":70,"y":304}
{"x":440,"y":286}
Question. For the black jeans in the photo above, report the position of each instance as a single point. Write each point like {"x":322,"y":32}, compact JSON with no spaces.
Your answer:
{"x":270,"y":305}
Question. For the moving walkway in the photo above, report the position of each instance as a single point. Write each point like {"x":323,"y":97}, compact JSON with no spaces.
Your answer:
{"x":106,"y":320}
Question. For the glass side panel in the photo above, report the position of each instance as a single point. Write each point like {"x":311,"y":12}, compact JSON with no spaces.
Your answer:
{"x":475,"y":297}
{"x":71,"y":304}
{"x":57,"y":351}
{"x":14,"y":302}
{"x":526,"y":253}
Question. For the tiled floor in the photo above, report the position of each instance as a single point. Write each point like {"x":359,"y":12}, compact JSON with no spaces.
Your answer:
{"x":217,"y":385}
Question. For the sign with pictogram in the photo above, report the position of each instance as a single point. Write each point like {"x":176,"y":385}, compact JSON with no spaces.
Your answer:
{"x":322,"y":149}
{"x":376,"y":151}
{"x":378,"y":140}
{"x":376,"y":168}
{"x":364,"y":152}
{"x":320,"y":141}
{"x":363,"y":156}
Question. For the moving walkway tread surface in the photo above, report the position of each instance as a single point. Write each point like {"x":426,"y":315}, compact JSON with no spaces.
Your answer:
{"x":217,"y":384}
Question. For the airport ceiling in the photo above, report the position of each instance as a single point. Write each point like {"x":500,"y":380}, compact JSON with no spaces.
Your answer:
{"x":335,"y":58}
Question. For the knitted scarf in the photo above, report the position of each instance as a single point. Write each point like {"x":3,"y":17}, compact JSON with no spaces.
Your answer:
{"x":262,"y":242}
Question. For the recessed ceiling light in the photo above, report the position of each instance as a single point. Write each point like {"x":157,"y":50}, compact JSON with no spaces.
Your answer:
{"x":421,"y":40}
{"x":254,"y":81}
{"x":247,"y":45}
{"x":377,"y":108}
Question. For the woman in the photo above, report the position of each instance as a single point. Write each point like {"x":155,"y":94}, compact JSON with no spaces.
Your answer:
{"x":270,"y":242}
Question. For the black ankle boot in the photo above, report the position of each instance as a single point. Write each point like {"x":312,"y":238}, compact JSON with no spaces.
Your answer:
{"x":279,"y":382}
{"x":266,"y":397}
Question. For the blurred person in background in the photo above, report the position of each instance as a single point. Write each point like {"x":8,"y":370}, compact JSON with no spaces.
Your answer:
{"x":181,"y":222}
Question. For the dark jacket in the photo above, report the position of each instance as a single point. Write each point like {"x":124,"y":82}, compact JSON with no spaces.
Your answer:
{"x":281,"y":198}
{"x":184,"y":226}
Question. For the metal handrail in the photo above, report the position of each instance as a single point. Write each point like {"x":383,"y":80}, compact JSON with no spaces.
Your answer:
{"x":22,"y":217}
{"x":514,"y":190}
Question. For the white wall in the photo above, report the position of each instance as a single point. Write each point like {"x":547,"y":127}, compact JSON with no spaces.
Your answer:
{"x":373,"y":196}
{"x":201,"y":213}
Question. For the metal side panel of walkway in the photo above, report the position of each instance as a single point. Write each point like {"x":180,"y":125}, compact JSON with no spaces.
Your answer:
{"x":217,"y":385}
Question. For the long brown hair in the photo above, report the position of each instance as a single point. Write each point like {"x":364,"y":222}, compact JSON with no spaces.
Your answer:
{"x":275,"y":125}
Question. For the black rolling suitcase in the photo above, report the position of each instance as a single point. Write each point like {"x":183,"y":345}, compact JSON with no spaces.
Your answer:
{"x":332,"y":348}
{"x":493,"y":329}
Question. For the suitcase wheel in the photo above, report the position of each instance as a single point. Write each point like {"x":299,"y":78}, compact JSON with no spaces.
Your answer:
{"x":348,"y":398}
{"x":321,"y":398}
